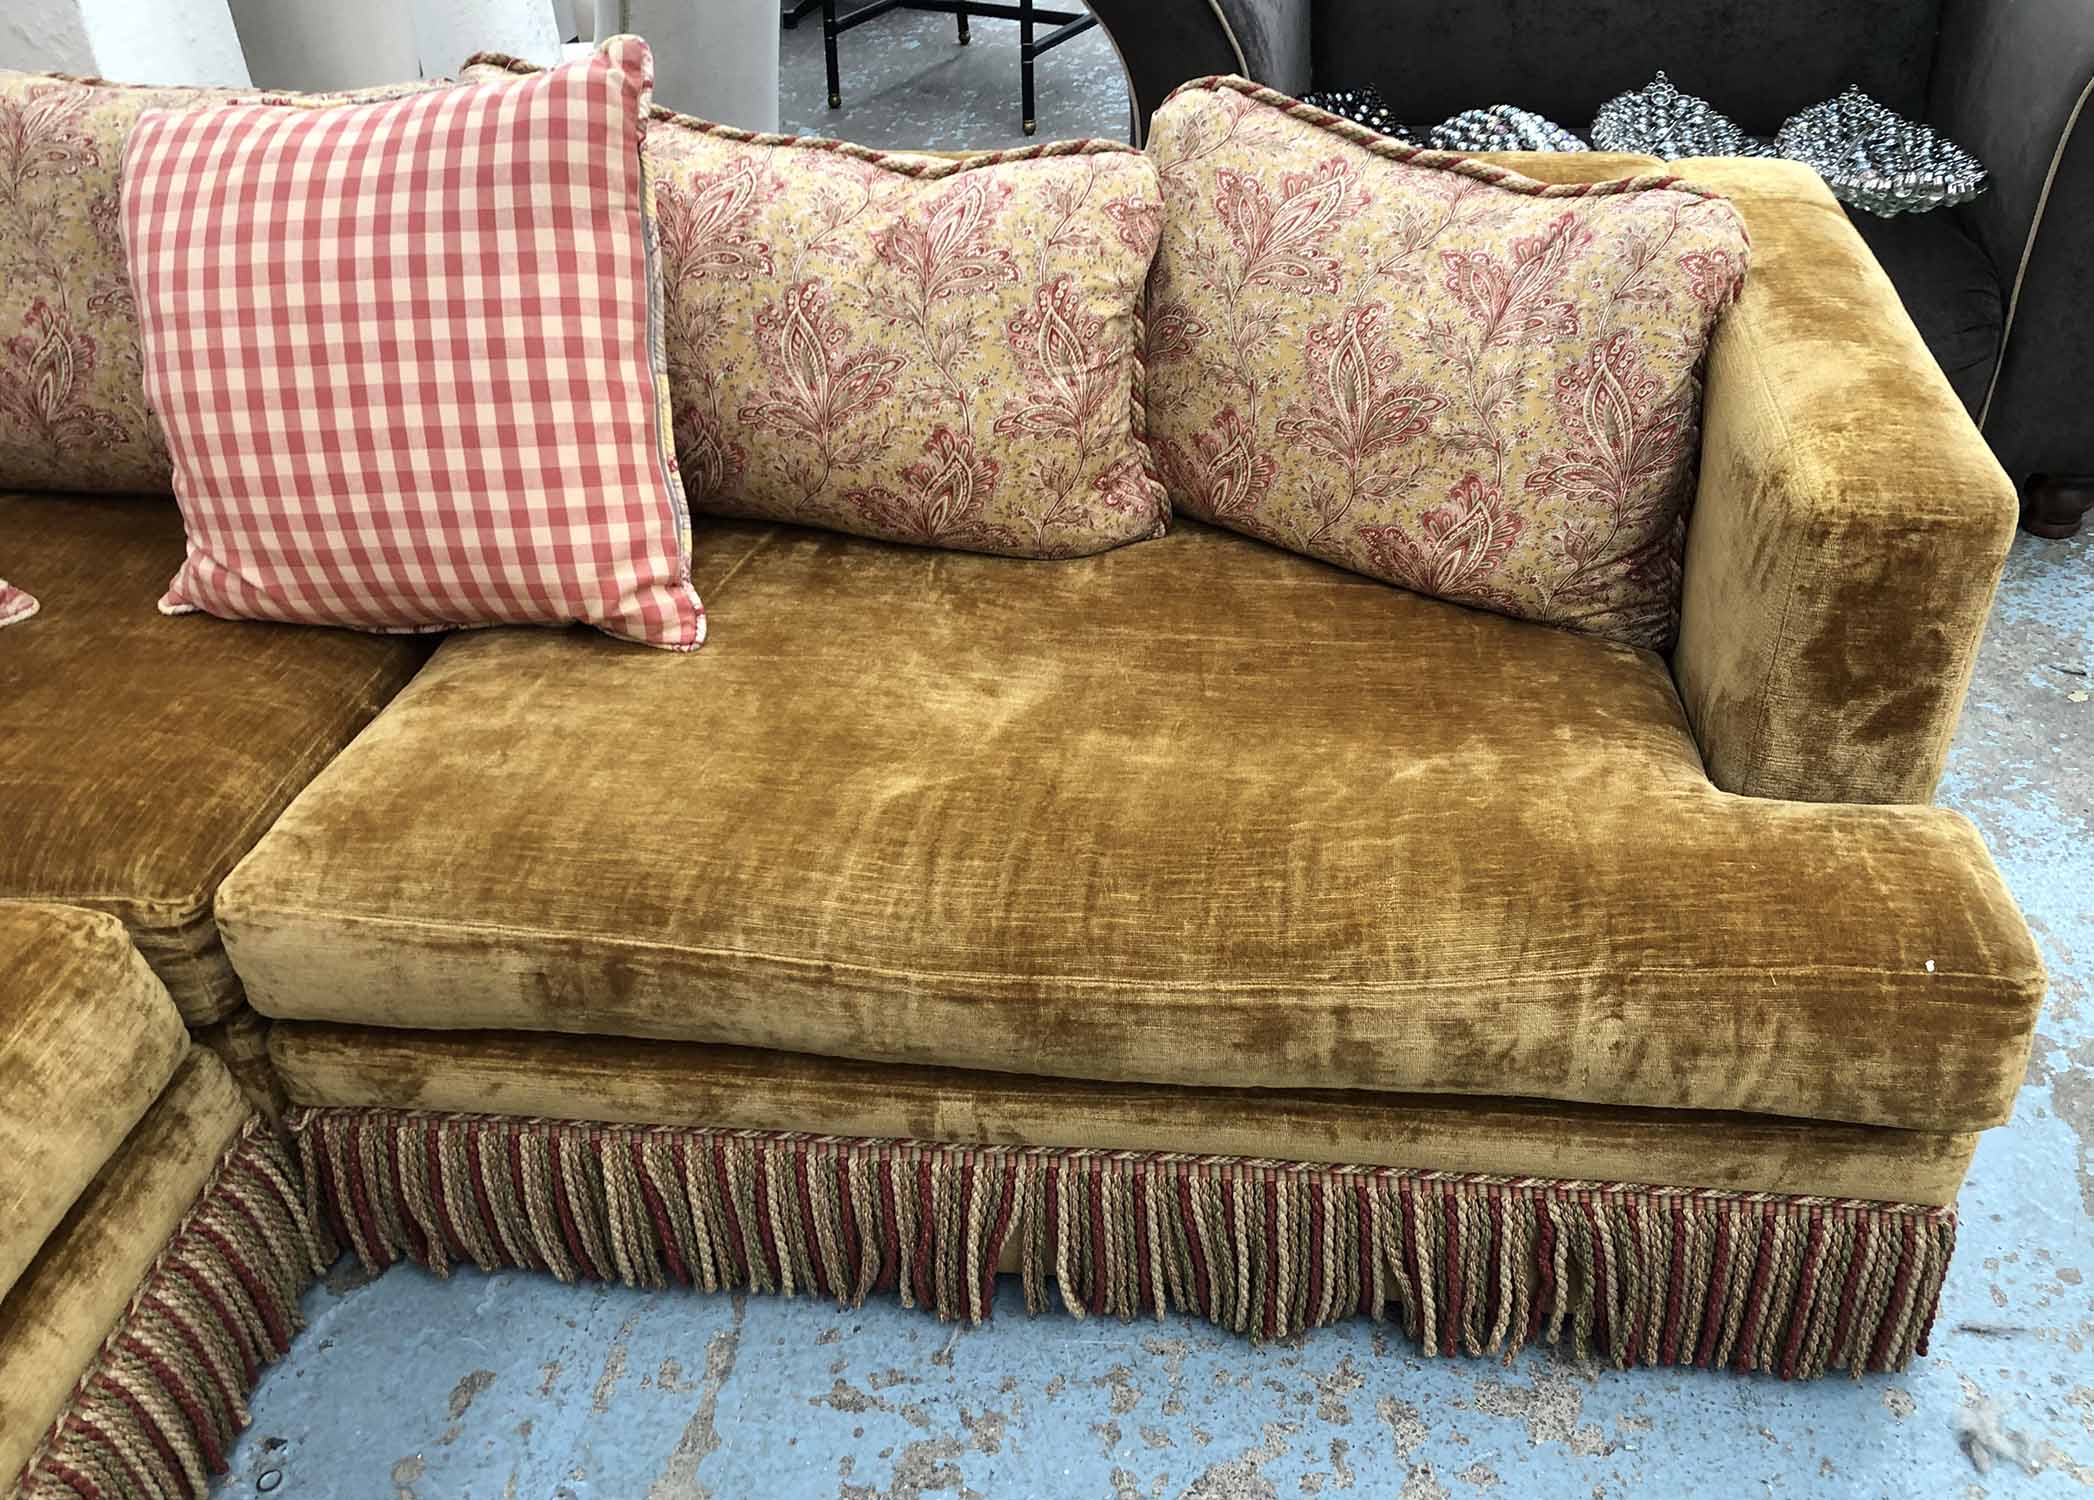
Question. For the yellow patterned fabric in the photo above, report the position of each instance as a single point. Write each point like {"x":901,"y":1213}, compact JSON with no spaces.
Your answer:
{"x":72,"y":399}
{"x":1431,"y":369}
{"x":923,"y":349}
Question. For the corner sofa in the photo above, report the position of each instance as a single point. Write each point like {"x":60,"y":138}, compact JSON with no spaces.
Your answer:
{"x":1192,"y":926}
{"x":1996,"y":285}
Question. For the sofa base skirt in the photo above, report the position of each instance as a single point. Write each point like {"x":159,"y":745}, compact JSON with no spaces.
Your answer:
{"x":1639,"y":1275}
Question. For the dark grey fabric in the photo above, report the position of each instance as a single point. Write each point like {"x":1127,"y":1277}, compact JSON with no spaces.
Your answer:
{"x":1274,"y":38}
{"x":1759,"y":60}
{"x":1948,"y":285}
{"x":1163,"y":43}
{"x":2011,"y":75}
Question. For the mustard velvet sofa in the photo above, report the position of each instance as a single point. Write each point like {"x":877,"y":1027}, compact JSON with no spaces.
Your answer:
{"x":153,"y":1235}
{"x":1192,"y":926}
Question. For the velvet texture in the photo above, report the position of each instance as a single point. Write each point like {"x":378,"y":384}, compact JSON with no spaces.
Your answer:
{"x":87,"y":1037}
{"x":57,"y":1315}
{"x":1196,"y":812}
{"x":143,"y":754}
{"x":1850,"y":526}
{"x":241,"y":1043}
{"x":695,"y":1086}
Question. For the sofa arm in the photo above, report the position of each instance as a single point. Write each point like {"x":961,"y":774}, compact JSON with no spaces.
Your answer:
{"x":1850,"y":525}
{"x":1162,"y":45}
{"x":2014,"y":83}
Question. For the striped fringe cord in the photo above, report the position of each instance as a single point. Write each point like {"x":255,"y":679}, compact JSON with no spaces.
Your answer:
{"x":1641,"y":1275}
{"x":156,"y":1412}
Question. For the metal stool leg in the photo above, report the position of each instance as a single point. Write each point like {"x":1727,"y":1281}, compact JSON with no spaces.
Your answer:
{"x":1025,"y":55}
{"x":829,"y":53}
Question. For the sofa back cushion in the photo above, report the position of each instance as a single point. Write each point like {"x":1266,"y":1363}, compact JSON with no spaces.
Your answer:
{"x":72,"y":403}
{"x":935,"y":350}
{"x":1430,"y":369}
{"x":409,"y":357}
{"x":1759,"y":61}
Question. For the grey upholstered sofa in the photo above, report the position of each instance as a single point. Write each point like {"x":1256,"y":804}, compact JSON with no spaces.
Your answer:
{"x":2002,"y":288}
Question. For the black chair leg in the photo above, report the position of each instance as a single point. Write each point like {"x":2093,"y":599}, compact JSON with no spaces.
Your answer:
{"x":1025,"y":55}
{"x":964,"y":38}
{"x":829,"y":53}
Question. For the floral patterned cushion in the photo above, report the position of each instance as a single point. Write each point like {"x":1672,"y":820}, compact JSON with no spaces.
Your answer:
{"x":930,"y":350}
{"x":15,"y":604}
{"x":1430,"y":369}
{"x":72,"y":401}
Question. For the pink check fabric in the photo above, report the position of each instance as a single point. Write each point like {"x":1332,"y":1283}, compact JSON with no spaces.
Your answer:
{"x":409,"y":357}
{"x":15,"y":604}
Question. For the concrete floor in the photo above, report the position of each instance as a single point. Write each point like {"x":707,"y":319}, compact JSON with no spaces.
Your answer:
{"x":907,"y":83}
{"x":513,"y":1385}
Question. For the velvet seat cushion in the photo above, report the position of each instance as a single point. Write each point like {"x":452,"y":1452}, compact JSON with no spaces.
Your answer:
{"x":141,"y":756}
{"x":88,"y":1039}
{"x":1195,"y":812}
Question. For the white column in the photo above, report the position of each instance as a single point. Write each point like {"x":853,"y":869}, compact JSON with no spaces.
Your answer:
{"x":717,"y":59}
{"x":45,"y":36}
{"x":168,"y":41}
{"x":447,"y":32}
{"x":328,"y":44}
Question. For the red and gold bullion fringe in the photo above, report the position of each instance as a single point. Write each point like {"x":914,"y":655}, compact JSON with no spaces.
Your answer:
{"x":1643,"y":1275}
{"x":157,"y":1410}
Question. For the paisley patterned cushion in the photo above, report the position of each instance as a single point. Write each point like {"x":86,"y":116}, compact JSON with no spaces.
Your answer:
{"x":72,"y":401}
{"x":1427,"y":368}
{"x":926,"y":349}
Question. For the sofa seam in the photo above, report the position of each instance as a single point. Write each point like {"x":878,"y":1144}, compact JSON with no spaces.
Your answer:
{"x":1748,"y":325}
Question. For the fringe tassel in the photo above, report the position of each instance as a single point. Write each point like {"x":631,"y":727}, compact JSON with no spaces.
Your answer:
{"x":1480,"y":1265}
{"x":158,"y":1408}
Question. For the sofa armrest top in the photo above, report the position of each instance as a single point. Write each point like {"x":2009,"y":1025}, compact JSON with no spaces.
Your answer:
{"x":1850,"y":525}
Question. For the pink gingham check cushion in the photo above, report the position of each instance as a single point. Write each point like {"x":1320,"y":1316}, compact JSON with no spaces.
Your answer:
{"x":409,"y":357}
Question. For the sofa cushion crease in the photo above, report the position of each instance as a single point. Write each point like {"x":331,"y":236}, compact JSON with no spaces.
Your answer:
{"x":145,"y":754}
{"x":87,"y":1036}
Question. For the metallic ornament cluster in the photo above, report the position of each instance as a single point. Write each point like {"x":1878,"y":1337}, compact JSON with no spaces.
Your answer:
{"x":1869,"y":155}
{"x":1501,"y":127}
{"x":1875,"y":159}
{"x":1363,"y":106}
{"x":1658,"y":120}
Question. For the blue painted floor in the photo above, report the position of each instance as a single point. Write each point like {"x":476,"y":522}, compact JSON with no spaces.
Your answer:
{"x":513,"y":1385}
